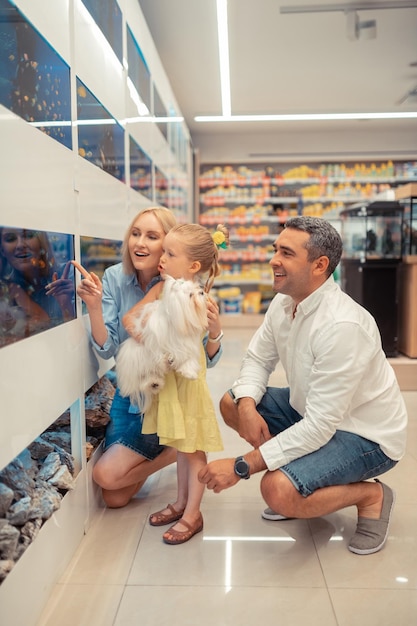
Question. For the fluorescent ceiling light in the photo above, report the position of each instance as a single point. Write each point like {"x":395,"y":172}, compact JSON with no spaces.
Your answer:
{"x":351,"y":6}
{"x":48,"y":124}
{"x":223,"y":36}
{"x":157,"y":120}
{"x":306,"y":117}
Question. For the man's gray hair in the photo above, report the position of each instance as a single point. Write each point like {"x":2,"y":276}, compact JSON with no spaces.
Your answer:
{"x":324,"y":239}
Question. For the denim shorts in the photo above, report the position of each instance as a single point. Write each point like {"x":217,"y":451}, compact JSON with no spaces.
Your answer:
{"x":125,"y":428}
{"x":346,"y":458}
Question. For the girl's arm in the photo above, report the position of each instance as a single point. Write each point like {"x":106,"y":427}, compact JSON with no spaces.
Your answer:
{"x":129,"y":319}
{"x":214,"y":327}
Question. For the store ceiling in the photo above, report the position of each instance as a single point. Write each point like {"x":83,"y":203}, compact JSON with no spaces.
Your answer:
{"x":286,"y":63}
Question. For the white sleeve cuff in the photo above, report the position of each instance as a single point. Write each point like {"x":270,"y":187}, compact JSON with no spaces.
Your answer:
{"x":272,"y":454}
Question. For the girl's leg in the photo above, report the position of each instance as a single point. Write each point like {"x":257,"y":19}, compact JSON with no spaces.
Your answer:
{"x":157,"y":519}
{"x":193,"y":462}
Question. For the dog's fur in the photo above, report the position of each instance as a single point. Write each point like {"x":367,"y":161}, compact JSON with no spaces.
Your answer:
{"x":170,"y":331}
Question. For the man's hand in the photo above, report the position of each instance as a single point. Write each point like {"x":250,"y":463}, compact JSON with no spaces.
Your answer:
{"x":219,"y":475}
{"x":252,"y":426}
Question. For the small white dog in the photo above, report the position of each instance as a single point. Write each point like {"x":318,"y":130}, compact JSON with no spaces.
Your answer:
{"x":170,"y":332}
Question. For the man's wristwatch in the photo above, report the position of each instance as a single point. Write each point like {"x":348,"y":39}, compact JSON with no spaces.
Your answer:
{"x":242,"y":468}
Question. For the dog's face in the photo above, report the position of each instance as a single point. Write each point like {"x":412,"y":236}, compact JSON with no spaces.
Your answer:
{"x":186,"y":302}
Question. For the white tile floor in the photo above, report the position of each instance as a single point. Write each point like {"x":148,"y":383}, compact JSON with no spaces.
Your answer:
{"x":242,"y":569}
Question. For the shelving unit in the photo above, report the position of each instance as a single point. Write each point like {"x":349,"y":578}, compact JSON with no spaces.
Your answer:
{"x":255,"y":201}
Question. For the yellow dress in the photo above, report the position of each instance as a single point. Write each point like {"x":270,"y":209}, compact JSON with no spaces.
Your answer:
{"x":183,"y":414}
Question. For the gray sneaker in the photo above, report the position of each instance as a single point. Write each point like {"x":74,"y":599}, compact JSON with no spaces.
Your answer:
{"x":270,"y":515}
{"x":371,"y":534}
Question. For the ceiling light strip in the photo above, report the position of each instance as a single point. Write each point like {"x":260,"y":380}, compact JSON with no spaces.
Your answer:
{"x":350,"y":6}
{"x":307,"y":117}
{"x":223,"y":35}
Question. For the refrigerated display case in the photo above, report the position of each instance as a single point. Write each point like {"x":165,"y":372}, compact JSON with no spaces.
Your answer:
{"x":372,"y":242}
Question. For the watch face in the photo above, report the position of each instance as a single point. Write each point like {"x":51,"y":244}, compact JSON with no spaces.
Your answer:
{"x":242,"y":468}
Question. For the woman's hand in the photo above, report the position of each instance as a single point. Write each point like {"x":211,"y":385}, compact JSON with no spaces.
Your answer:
{"x":62,"y":289}
{"x":90,"y":288}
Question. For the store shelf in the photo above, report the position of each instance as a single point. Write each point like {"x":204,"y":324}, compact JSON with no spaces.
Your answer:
{"x":255,"y":200}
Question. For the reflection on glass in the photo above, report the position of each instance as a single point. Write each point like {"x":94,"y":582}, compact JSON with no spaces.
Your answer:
{"x":35,"y":81}
{"x":140,"y":169}
{"x":98,"y":254}
{"x":161,"y":188}
{"x":177,"y":198}
{"x":100,"y":137}
{"x":36,"y":282}
{"x":108,"y":18}
{"x":159,"y":110}
{"x":138,"y":71}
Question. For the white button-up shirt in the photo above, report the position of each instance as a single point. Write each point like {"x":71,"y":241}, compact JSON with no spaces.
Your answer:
{"x":337,"y":372}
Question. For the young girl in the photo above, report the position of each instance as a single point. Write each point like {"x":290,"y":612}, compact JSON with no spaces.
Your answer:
{"x":189,"y":253}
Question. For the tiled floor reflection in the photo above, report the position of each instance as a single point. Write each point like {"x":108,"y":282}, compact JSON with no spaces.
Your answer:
{"x":242,"y":569}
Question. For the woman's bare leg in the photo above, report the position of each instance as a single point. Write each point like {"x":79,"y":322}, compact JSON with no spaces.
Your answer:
{"x":121,"y":472}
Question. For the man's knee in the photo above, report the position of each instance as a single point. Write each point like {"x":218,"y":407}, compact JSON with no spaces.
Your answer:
{"x":278,"y":491}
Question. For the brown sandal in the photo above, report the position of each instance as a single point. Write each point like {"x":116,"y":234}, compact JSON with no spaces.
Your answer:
{"x":181,"y":536}
{"x":163,"y":518}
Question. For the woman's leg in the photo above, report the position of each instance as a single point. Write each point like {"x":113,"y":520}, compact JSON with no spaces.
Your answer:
{"x":129,"y":457}
{"x":121,"y":472}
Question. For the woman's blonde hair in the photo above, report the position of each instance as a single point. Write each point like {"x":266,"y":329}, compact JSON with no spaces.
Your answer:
{"x":166,"y":219}
{"x":200,"y":246}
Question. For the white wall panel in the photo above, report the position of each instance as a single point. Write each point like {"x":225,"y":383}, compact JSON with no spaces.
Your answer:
{"x":102,"y":202}
{"x":42,"y":376}
{"x":136,"y":203}
{"x":51,"y":552}
{"x":37,"y":177}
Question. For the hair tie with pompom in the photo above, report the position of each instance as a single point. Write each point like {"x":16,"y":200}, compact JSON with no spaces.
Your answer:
{"x":220,"y":239}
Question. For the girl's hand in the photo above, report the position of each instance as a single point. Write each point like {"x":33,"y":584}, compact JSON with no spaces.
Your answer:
{"x":213,"y":317}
